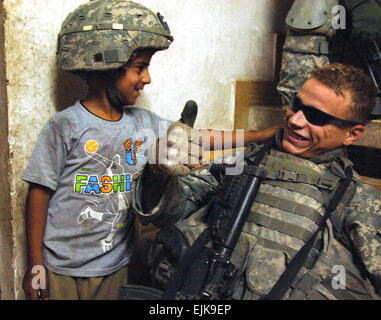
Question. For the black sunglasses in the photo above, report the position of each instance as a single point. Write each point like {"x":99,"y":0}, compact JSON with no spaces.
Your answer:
{"x":316,"y":116}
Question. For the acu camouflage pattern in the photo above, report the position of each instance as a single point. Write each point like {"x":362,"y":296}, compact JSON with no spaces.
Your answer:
{"x":179,"y":194}
{"x":305,"y":47}
{"x":102,"y":35}
{"x":276,"y":230}
{"x":363,"y":228}
{"x":293,"y":208}
{"x":294,"y":70}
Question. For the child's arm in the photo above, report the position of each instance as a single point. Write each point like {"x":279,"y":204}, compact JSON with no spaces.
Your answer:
{"x":36,"y":213}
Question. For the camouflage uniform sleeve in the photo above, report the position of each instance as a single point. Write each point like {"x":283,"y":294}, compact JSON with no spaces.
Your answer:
{"x":363,"y":225}
{"x":300,"y":55}
{"x":309,"y":31}
{"x":182,"y":197}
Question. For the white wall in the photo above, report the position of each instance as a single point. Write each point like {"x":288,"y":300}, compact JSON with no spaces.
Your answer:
{"x":216,"y":43}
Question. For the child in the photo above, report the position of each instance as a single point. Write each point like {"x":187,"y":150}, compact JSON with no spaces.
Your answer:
{"x":81,"y":168}
{"x":80,"y":233}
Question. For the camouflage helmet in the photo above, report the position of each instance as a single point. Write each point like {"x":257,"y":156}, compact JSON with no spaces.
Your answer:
{"x":102,"y":35}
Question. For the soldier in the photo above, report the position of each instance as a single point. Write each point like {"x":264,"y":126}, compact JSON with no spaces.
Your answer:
{"x":302,"y":200}
{"x":324,"y":31}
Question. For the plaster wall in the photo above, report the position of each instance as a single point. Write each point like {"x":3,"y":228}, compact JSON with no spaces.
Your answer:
{"x":216,"y":43}
{"x":6,"y":237}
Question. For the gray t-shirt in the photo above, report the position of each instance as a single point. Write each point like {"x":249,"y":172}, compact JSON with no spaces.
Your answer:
{"x":90,"y":164}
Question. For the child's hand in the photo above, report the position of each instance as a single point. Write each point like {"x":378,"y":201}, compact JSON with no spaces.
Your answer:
{"x":35,"y":283}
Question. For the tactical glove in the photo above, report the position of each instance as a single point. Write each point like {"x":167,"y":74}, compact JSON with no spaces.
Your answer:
{"x":366,"y":20}
{"x":180,"y":149}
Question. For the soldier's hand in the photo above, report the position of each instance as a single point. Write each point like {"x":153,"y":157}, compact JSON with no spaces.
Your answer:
{"x":180,"y":149}
{"x":366,"y":20}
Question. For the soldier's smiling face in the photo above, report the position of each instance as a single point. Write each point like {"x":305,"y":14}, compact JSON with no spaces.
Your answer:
{"x":307,"y":140}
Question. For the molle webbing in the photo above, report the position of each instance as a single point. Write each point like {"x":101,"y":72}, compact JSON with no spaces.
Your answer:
{"x":306,"y":284}
{"x":288,"y":170}
{"x":304,"y":189}
{"x":290,"y":206}
{"x":273,"y":244}
{"x":344,"y":294}
{"x":294,"y":177}
{"x":318,"y":184}
{"x":302,"y":286}
{"x":280,"y":226}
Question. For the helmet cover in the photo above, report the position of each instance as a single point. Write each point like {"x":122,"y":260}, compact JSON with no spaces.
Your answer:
{"x":102,"y":35}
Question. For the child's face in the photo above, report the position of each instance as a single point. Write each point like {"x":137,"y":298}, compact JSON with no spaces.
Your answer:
{"x":135,"y":77}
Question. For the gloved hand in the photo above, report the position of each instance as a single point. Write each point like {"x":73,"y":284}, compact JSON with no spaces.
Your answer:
{"x":180,"y":149}
{"x":366,"y":20}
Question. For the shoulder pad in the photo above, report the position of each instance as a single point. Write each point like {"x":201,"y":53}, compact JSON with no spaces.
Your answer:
{"x":308,"y":14}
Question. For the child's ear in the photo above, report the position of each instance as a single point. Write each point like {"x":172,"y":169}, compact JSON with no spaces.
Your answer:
{"x":353,"y":134}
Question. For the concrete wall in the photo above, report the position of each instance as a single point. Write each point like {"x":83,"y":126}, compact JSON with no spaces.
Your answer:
{"x":216,"y":43}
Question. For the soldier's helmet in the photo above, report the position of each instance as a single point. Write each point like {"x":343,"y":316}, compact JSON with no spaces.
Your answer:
{"x":102,"y":35}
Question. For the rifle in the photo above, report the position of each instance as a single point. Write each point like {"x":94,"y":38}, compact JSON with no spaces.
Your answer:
{"x":231,"y":210}
{"x":206,"y":273}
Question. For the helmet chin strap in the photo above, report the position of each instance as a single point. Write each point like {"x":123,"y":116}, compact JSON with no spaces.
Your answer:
{"x":114,"y":97}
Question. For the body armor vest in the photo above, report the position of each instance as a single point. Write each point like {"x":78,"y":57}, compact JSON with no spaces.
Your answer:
{"x":291,"y":201}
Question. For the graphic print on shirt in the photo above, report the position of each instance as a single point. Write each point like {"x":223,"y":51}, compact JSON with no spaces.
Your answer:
{"x":134,"y":151}
{"x":112,"y":187}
